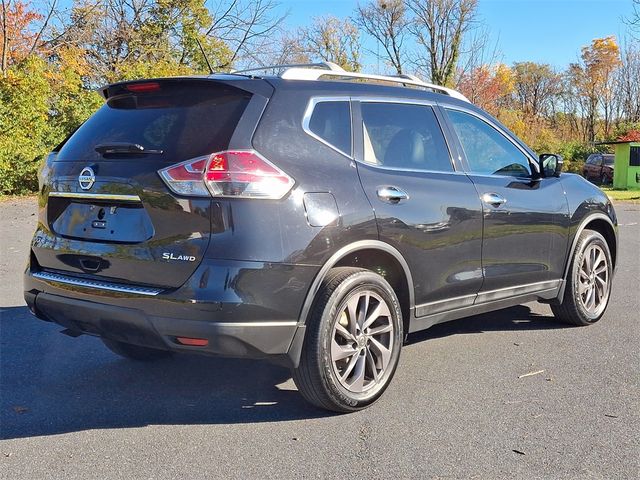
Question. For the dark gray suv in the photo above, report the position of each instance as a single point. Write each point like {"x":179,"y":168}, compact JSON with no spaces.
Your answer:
{"x":313,"y":217}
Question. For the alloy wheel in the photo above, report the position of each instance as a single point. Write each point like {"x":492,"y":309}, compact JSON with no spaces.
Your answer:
{"x":362,"y":341}
{"x":593,"y":280}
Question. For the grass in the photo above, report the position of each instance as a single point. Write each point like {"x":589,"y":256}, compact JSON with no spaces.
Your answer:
{"x":622,"y":195}
{"x":9,"y":198}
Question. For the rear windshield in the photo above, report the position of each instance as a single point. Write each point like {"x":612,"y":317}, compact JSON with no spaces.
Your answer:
{"x":182,"y":119}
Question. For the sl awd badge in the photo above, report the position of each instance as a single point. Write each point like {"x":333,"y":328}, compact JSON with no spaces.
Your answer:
{"x":183,"y":258}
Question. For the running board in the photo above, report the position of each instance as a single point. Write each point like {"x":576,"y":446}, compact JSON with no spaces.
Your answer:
{"x":425,"y":321}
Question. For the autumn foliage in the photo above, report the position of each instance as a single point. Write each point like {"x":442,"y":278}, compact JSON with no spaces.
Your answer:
{"x":52,"y":61}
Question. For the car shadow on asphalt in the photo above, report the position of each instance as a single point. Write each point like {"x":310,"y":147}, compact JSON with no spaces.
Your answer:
{"x":52,"y":384}
{"x":515,"y":318}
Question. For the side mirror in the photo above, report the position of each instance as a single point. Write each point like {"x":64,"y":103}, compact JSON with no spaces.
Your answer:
{"x":550,"y":165}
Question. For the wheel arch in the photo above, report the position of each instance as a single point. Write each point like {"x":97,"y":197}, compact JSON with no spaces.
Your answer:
{"x":373,"y":255}
{"x":600,"y":223}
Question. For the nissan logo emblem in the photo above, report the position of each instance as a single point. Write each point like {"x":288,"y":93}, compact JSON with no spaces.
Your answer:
{"x":87,"y":178}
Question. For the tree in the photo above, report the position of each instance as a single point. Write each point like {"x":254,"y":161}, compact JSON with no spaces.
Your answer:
{"x":287,"y":50}
{"x":488,"y":87}
{"x":26,"y":132}
{"x":386,"y":22}
{"x":627,"y":86}
{"x":439,"y":27}
{"x":634,"y":20}
{"x":19,"y":33}
{"x":249,"y":28}
{"x":592,"y":79}
{"x":535,"y":85}
{"x":131,"y":38}
{"x":332,"y":40}
{"x":138,"y":38}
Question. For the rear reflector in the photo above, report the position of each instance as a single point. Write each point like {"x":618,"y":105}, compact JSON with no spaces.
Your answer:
{"x":192,"y":342}
{"x":232,"y":173}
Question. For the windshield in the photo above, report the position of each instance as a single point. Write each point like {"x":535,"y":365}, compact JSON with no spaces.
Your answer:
{"x":609,"y":159}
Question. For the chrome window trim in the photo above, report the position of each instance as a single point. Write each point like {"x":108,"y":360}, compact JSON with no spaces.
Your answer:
{"x":501,"y":131}
{"x":420,"y":103}
{"x":406,"y":101}
{"x":97,"y":196}
{"x":306,"y":119}
{"x":412,"y":170}
{"x":98,"y":285}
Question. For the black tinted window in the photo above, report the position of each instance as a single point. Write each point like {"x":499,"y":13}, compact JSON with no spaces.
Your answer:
{"x":331,"y":121}
{"x":487,"y":150}
{"x":404,"y":137}
{"x":183,"y":119}
{"x":634,"y":158}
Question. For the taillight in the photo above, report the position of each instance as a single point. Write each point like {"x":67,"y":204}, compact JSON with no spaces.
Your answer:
{"x":232,"y":173}
{"x":186,"y":178}
{"x":247,"y":174}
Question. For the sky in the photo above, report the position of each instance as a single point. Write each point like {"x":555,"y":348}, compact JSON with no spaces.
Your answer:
{"x":546,"y":31}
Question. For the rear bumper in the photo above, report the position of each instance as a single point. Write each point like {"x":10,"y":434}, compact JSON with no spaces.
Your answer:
{"x":253,"y":314}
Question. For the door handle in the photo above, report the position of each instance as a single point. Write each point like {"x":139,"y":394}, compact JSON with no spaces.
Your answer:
{"x":391,"y":194}
{"x":493,"y":199}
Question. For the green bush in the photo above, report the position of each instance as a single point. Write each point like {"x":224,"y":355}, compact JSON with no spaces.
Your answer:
{"x":575,"y":154}
{"x":39,"y":106}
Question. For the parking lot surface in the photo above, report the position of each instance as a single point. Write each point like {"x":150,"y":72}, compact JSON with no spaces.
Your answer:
{"x":457,"y":408}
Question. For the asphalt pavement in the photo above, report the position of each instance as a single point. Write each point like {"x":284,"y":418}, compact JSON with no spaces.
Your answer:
{"x":457,"y":408}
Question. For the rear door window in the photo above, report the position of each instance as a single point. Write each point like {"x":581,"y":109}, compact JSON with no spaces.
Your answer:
{"x":404,"y":137}
{"x":183,"y":120}
{"x":331,"y":122}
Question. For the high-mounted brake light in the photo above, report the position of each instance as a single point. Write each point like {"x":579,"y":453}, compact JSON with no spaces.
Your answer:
{"x":232,"y":173}
{"x":143,"y":87}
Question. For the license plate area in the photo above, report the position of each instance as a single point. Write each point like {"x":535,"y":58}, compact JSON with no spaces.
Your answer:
{"x":104,"y":222}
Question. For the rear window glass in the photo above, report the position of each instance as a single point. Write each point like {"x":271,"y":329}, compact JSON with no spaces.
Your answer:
{"x":183,"y":120}
{"x":331,"y":121}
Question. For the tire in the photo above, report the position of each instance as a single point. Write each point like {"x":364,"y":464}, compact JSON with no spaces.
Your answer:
{"x":578,"y":307}
{"x":343,"y":367}
{"x":135,"y":352}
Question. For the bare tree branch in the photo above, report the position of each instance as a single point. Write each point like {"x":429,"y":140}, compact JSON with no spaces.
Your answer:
{"x":386,"y":22}
{"x":5,"y":37}
{"x":43,"y":27}
{"x":439,"y":27}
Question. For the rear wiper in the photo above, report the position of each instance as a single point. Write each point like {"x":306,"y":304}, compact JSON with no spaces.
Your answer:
{"x":123,"y":148}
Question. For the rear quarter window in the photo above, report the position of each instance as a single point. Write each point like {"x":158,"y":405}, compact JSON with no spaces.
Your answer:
{"x":331,"y":122}
{"x":183,"y":119}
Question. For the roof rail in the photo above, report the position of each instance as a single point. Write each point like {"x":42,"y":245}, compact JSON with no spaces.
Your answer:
{"x":315,"y":71}
{"x":320,"y":65}
{"x":302,"y":73}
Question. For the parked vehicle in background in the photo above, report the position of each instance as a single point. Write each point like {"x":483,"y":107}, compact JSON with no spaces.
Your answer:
{"x":599,"y":168}
{"x":313,"y":218}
